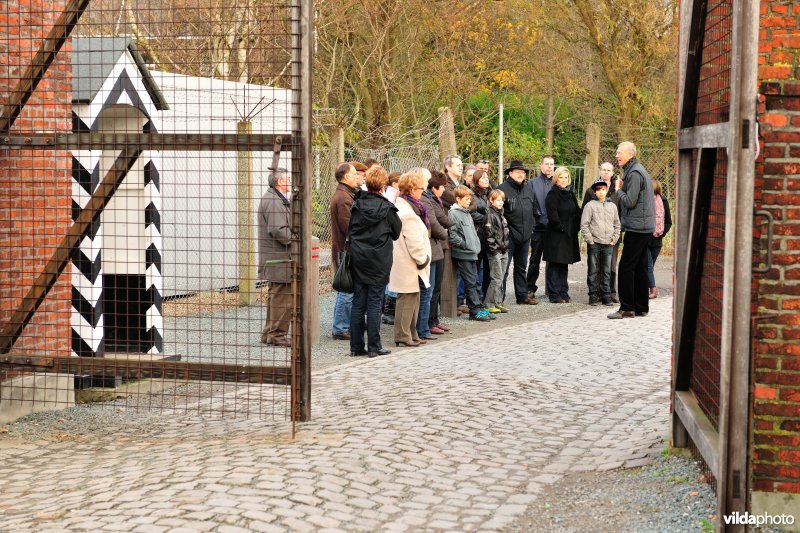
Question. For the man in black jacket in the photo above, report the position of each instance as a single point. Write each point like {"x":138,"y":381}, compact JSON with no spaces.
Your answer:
{"x":638,"y":219}
{"x":540,"y":185}
{"x":519,"y":210}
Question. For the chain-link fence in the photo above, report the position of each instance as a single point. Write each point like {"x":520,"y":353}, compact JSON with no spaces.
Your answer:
{"x":659,"y":161}
{"x":394,"y":159}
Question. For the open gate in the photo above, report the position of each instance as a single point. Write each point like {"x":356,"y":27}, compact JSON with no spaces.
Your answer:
{"x":136,"y":141}
{"x":717,"y":148}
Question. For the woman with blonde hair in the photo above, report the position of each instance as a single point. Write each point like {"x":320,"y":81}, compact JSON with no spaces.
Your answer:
{"x":412,"y":258}
{"x":561,"y":237}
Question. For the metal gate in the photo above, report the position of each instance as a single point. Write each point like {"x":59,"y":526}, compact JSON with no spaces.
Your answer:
{"x":716,"y":147}
{"x":136,"y":142}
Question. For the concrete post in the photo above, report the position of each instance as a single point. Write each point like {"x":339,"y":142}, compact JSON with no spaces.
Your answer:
{"x":447,"y":133}
{"x":592,"y":161}
{"x":337,"y":147}
{"x":246,"y":221}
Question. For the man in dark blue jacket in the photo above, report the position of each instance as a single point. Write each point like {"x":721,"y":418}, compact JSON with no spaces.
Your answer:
{"x":540,"y":185}
{"x":519,"y":210}
{"x":638,"y":219}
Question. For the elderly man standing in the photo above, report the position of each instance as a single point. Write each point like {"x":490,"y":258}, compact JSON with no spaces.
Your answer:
{"x":341,"y":204}
{"x":274,"y":257}
{"x":638,"y":219}
{"x":453,"y":169}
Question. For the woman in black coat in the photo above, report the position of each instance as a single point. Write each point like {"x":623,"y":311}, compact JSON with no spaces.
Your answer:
{"x":374,"y":225}
{"x":561,"y":238}
{"x":478,"y":208}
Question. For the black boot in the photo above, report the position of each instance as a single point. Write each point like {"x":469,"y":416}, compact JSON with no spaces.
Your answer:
{"x":389,"y":305}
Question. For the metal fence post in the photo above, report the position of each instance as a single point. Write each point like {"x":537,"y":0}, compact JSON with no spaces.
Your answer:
{"x":244,"y":204}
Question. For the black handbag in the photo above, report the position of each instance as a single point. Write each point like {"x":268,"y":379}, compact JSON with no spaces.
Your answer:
{"x":342,"y":279}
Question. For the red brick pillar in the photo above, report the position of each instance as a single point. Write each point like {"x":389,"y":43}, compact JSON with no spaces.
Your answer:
{"x":776,"y":295}
{"x":35,"y":187}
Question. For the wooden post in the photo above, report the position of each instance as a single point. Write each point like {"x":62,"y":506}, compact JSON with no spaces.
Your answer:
{"x":337,"y":147}
{"x":447,"y":133}
{"x":245,"y":221}
{"x":449,"y":299}
{"x":592,"y":162}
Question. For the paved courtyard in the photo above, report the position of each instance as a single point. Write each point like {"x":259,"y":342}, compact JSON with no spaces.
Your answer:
{"x":458,"y":435}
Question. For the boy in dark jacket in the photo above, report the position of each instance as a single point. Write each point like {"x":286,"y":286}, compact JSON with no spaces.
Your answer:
{"x":600,"y":228}
{"x":465,"y":249}
{"x":496,"y":232}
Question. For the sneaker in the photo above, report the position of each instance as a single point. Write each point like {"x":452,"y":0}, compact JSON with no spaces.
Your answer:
{"x":480,"y":316}
{"x":436,"y":330}
{"x":621,"y":314}
{"x":594,"y":302}
{"x":502,"y":308}
{"x":608,"y":303}
{"x":489,"y":314}
{"x":493,"y":309}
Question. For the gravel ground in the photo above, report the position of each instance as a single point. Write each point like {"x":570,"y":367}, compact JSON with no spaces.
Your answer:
{"x":667,"y":496}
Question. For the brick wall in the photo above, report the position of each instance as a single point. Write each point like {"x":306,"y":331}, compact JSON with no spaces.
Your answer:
{"x":35,"y":188}
{"x":776,"y":296}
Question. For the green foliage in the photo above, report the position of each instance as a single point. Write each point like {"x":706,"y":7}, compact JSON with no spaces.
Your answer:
{"x":707,"y":526}
{"x":525,"y":122}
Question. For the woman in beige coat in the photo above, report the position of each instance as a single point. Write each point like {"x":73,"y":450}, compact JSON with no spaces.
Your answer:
{"x":411,"y":259}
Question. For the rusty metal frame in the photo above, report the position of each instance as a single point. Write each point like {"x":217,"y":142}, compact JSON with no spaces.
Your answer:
{"x":298,"y":374}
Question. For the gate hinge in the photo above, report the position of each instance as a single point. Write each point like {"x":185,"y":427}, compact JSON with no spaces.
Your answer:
{"x":26,"y":360}
{"x":746,"y":133}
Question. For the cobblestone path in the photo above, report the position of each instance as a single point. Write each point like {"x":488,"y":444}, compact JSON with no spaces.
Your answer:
{"x":458,"y":435}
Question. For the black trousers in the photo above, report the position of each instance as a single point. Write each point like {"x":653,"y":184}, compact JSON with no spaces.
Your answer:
{"x":537,"y":249}
{"x":518,"y":254}
{"x":633,"y":281}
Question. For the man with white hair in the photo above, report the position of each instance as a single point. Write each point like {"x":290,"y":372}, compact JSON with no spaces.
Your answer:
{"x":274,"y":257}
{"x":638,"y":219}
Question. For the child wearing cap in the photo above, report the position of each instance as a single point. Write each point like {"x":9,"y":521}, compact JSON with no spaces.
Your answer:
{"x":465,"y":247}
{"x":600,"y":228}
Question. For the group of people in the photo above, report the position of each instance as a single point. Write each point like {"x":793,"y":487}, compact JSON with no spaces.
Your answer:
{"x":401,"y":230}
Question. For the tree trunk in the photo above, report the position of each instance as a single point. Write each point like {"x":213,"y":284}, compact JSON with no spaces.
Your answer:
{"x":550,"y":120}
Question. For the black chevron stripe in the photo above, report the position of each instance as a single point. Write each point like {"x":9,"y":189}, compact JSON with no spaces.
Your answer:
{"x":152,"y":257}
{"x":155,"y":338}
{"x":78,"y":125}
{"x":90,"y":313}
{"x":153,"y":297}
{"x":152,"y":216}
{"x":82,"y":348}
{"x":76,"y":210}
{"x":149,"y":127}
{"x":151,"y":175}
{"x":89,"y":269}
{"x":123,"y":84}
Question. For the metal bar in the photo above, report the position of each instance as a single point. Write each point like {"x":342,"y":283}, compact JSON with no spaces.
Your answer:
{"x":149,"y":141}
{"x":134,"y":368}
{"x":709,"y":136}
{"x":698,"y":426}
{"x":60,"y":258}
{"x":302,"y":32}
{"x":770,"y":230}
{"x":41,"y":62}
{"x":694,"y":61}
{"x":695,"y":248}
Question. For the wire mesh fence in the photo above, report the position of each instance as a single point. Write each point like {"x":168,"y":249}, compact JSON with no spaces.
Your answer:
{"x":141,"y":233}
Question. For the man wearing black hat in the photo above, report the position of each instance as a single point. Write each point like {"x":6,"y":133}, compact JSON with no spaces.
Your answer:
{"x":540,"y":185}
{"x":520,"y":213}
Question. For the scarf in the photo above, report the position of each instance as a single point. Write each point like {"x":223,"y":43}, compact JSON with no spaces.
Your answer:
{"x":420,"y":208}
{"x":659,"y":201}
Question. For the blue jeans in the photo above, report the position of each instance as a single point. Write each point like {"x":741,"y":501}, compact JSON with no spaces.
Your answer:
{"x":460,"y":288}
{"x":467,"y":269}
{"x":652,"y":255}
{"x":599,"y":276}
{"x":423,"y":328}
{"x":341,"y":312}
{"x":367,"y":299}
